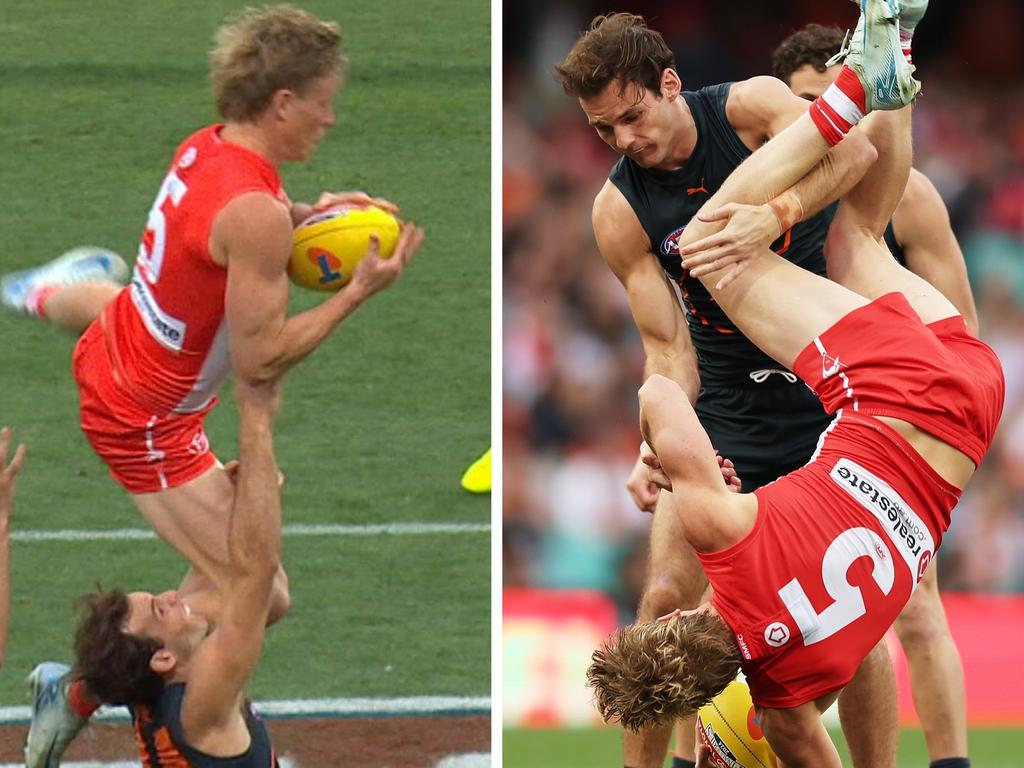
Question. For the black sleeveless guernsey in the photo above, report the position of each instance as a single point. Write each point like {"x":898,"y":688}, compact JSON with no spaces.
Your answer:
{"x":756,"y":412}
{"x":161,"y":742}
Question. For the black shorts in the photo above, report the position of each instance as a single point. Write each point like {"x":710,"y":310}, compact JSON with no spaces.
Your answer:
{"x":768,"y":430}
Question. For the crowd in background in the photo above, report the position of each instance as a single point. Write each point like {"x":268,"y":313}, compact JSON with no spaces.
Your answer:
{"x":572,"y":357}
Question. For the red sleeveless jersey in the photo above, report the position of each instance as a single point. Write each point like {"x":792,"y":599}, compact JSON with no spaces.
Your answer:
{"x":837,"y":549}
{"x":166,"y":331}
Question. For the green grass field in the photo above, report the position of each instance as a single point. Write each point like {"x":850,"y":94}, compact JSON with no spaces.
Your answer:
{"x":997,"y":748}
{"x":376,"y":427}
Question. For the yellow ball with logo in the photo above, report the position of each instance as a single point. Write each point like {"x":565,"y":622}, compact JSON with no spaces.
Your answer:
{"x":729,"y":727}
{"x":328,"y":246}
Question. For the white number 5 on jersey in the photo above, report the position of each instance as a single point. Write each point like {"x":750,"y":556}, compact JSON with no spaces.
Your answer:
{"x":154,"y":239}
{"x":849,"y":546}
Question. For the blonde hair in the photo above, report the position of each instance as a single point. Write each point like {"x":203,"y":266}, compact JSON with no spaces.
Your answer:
{"x":267,"y":50}
{"x":656,"y":672}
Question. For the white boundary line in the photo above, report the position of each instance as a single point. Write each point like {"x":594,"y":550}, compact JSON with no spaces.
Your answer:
{"x":290,"y":709}
{"x":383,"y":529}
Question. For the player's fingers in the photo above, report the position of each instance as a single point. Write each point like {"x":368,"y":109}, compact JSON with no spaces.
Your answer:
{"x":412,"y":238}
{"x":730,"y":276}
{"x":709,"y":261}
{"x":5,"y":444}
{"x":373,"y":249}
{"x":387,"y":205}
{"x":704,"y":244}
{"x":669,"y":616}
{"x":717,"y":214}
{"x":17,"y":461}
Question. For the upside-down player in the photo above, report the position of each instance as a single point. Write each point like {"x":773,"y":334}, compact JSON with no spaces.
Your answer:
{"x":208,"y":296}
{"x":810,"y":571}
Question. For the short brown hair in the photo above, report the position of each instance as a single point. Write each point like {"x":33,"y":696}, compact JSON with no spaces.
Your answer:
{"x":620,"y":47}
{"x":113,"y":664}
{"x":267,"y":50}
{"x":814,"y":45}
{"x":658,"y":671}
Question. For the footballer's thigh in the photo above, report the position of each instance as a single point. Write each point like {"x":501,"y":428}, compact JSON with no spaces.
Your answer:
{"x":675,"y":578}
{"x":194,"y":518}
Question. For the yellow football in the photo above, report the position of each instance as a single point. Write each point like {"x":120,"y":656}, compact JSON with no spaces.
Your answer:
{"x":327,"y":247}
{"x":728,"y":725}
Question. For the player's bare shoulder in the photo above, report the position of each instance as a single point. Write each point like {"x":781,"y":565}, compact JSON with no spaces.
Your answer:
{"x":619,"y":234}
{"x":253,"y":222}
{"x":761,"y":107}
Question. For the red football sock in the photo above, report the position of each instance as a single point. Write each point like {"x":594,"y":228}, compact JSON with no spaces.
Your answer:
{"x":906,"y":38}
{"x":35,"y":299}
{"x":80,"y":700}
{"x":840,"y":107}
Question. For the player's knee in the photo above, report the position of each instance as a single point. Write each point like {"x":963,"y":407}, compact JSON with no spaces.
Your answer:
{"x":921,"y":626}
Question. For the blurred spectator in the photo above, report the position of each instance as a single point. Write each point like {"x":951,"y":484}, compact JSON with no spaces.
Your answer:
{"x":572,"y":358}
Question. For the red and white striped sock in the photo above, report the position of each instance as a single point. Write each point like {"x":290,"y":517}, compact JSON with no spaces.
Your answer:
{"x":840,"y":107}
{"x":36,"y":298}
{"x":906,"y":39}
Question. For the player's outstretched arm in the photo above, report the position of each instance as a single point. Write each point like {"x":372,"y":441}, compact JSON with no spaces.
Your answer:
{"x":253,"y":233}
{"x":656,"y":311}
{"x":8,"y":480}
{"x":712,"y":516}
{"x":922,"y":227}
{"x":224,"y":662}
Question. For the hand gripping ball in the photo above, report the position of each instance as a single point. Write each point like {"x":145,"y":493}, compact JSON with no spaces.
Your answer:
{"x":328,"y":246}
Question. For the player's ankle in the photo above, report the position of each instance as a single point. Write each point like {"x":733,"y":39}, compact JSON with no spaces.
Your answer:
{"x":81,"y":701}
{"x":950,"y":762}
{"x":840,"y":107}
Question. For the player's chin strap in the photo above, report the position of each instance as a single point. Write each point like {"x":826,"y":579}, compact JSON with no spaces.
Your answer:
{"x":760,"y":376}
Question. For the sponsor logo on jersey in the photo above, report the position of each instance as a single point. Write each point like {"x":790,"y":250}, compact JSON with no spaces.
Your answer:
{"x":188,"y":157}
{"x":670,"y":245}
{"x":904,"y":528}
{"x":720,"y":750}
{"x":168,"y":331}
{"x":829,"y":365}
{"x":776,"y":634}
{"x":200,"y":444}
{"x":743,"y":647}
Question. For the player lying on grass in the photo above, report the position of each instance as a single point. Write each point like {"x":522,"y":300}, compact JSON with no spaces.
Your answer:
{"x":182,"y":674}
{"x":809,"y":572}
{"x":208,"y":296}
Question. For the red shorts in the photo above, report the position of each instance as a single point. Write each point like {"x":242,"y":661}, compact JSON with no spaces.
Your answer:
{"x":881,"y":360}
{"x":144,"y":451}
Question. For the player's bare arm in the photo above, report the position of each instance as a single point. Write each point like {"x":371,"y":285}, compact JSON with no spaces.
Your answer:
{"x":712,"y":517}
{"x":655,"y":308}
{"x":921,"y":225}
{"x":211,"y":711}
{"x":253,"y":234}
{"x":8,"y":480}
{"x":759,"y":109}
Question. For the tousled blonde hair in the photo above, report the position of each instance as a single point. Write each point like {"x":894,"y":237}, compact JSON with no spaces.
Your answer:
{"x":656,"y":672}
{"x":270,"y":49}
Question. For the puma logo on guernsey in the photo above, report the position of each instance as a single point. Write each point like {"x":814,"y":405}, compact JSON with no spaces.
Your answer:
{"x":694,"y":190}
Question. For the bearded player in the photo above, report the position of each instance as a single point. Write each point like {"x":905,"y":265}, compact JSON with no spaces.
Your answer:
{"x":208,"y":296}
{"x":810,"y":571}
{"x":678,"y":147}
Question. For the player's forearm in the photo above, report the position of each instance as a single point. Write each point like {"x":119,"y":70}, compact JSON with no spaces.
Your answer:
{"x":5,"y":588}
{"x":254,"y":536}
{"x":300,"y":334}
{"x":680,"y":366}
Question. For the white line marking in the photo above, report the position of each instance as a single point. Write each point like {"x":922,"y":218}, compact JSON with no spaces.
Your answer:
{"x":388,"y":529}
{"x":468,"y":760}
{"x":307,"y":708}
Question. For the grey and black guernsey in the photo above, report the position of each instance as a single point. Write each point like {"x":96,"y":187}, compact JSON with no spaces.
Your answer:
{"x":162,"y":744}
{"x":757,"y":413}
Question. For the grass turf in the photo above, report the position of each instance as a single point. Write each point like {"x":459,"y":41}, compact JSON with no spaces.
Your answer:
{"x":992,"y":748}
{"x":377,"y":425}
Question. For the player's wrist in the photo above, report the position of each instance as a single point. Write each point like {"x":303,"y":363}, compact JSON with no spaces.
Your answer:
{"x":788,"y":209}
